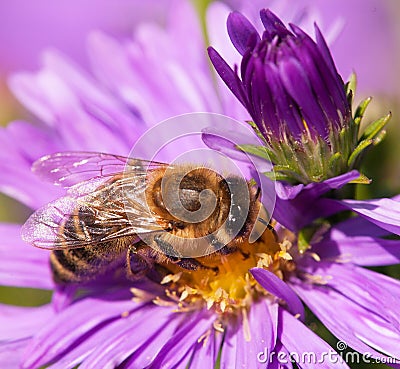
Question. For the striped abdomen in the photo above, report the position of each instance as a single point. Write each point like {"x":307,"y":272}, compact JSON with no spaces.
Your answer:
{"x":73,"y":265}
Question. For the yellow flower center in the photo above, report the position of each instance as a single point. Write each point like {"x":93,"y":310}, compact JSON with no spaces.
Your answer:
{"x":232,"y":288}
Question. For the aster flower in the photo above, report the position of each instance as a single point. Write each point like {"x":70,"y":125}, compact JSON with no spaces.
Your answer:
{"x":299,"y":105}
{"x":249,"y":308}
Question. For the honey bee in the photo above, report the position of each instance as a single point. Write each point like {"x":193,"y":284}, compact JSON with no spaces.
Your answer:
{"x":128,"y":212}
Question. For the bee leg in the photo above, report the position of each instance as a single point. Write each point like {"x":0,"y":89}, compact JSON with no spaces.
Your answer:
{"x":137,"y":263}
{"x":193,"y":264}
{"x":173,"y":256}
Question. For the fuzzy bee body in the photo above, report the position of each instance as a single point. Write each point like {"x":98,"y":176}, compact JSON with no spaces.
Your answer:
{"x":137,"y":215}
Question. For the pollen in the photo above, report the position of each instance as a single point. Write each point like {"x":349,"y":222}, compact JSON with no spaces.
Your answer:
{"x":232,"y":289}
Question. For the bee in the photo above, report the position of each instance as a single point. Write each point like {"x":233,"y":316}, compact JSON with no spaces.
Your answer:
{"x":128,"y":212}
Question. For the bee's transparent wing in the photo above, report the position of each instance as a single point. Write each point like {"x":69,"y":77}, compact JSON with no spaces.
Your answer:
{"x":71,"y":222}
{"x":70,"y":168}
{"x":99,"y":209}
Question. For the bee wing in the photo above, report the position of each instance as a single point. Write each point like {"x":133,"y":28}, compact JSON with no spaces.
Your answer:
{"x":70,"y":168}
{"x":87,"y":218}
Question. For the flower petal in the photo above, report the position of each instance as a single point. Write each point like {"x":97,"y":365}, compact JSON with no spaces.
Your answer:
{"x":356,"y":227}
{"x":96,"y":101}
{"x":240,"y":31}
{"x":183,"y":340}
{"x":368,"y":333}
{"x":50,"y":97}
{"x":230,"y":78}
{"x":10,"y":354}
{"x":280,"y":289}
{"x":299,"y":87}
{"x":279,"y":359}
{"x":293,"y":208}
{"x":363,"y":287}
{"x":70,"y":325}
{"x":22,"y":322}
{"x":363,"y":250}
{"x":22,"y":264}
{"x":305,"y":344}
{"x":230,"y":346}
{"x":384,"y":212}
{"x":206,"y":353}
{"x":128,"y":336}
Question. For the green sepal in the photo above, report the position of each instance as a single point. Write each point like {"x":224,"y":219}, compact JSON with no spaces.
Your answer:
{"x":351,"y":85}
{"x":304,"y":238}
{"x":379,"y":137}
{"x":335,"y":160}
{"x":358,"y":150}
{"x":360,"y":111}
{"x":362,"y":179}
{"x":290,"y":175}
{"x":274,"y":176}
{"x":260,"y":151}
{"x":375,"y":127}
{"x":256,"y":129}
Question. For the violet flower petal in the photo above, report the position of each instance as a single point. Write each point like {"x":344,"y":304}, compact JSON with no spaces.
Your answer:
{"x":356,"y":227}
{"x":219,"y":38}
{"x":368,"y":291}
{"x":280,"y":289}
{"x":16,"y":160}
{"x":292,"y":207}
{"x":262,"y":336}
{"x":22,"y":264}
{"x":69,"y":325}
{"x":364,"y":250}
{"x":86,"y":347}
{"x":228,"y":75}
{"x":49,"y":97}
{"x":22,"y":322}
{"x":368,"y":333}
{"x":240,"y":31}
{"x":10,"y":354}
{"x":384,"y":212}
{"x":297,"y":338}
{"x":128,"y":335}
{"x":345,"y":278}
{"x":63,"y":296}
{"x":240,"y":350}
{"x":143,"y":357}
{"x":205,"y":354}
{"x":230,"y":347}
{"x":96,"y":101}
{"x":273,"y":25}
{"x":298,"y":85}
{"x":280,"y":358}
{"x":183,"y":340}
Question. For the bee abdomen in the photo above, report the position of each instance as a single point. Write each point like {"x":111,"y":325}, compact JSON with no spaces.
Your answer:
{"x":76,"y":265}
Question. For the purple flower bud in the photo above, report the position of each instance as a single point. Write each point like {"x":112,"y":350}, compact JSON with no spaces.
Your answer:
{"x":298,"y":102}
{"x":288,"y":83}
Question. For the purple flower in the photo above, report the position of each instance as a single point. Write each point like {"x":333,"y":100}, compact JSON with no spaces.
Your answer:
{"x":291,"y":88}
{"x":250,"y":313}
